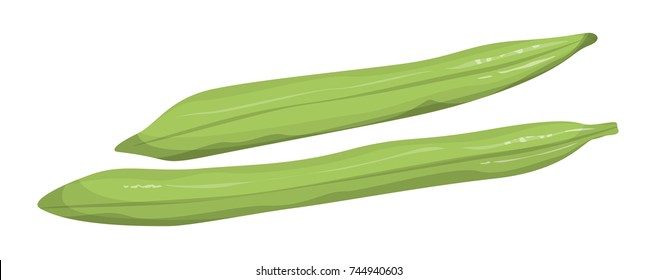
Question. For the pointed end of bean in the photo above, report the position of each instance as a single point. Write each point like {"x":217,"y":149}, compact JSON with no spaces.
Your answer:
{"x":52,"y":201}
{"x":129,"y":145}
{"x":611,"y":128}
{"x":604,"y":129}
{"x":135,"y":145}
{"x":61,"y":202}
{"x":588,"y":39}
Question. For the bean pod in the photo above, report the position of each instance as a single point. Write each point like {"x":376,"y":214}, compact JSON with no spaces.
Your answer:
{"x":254,"y":114}
{"x":176,"y":197}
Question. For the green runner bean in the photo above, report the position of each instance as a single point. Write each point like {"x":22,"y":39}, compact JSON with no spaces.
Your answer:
{"x":176,"y":197}
{"x":254,"y":114}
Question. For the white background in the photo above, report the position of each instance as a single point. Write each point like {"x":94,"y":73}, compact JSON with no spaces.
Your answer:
{"x":78,"y":77}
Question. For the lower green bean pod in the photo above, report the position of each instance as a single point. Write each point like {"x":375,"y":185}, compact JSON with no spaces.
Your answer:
{"x":177,"y":197}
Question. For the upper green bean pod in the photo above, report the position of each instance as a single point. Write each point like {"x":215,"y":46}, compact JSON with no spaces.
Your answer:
{"x":242,"y":116}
